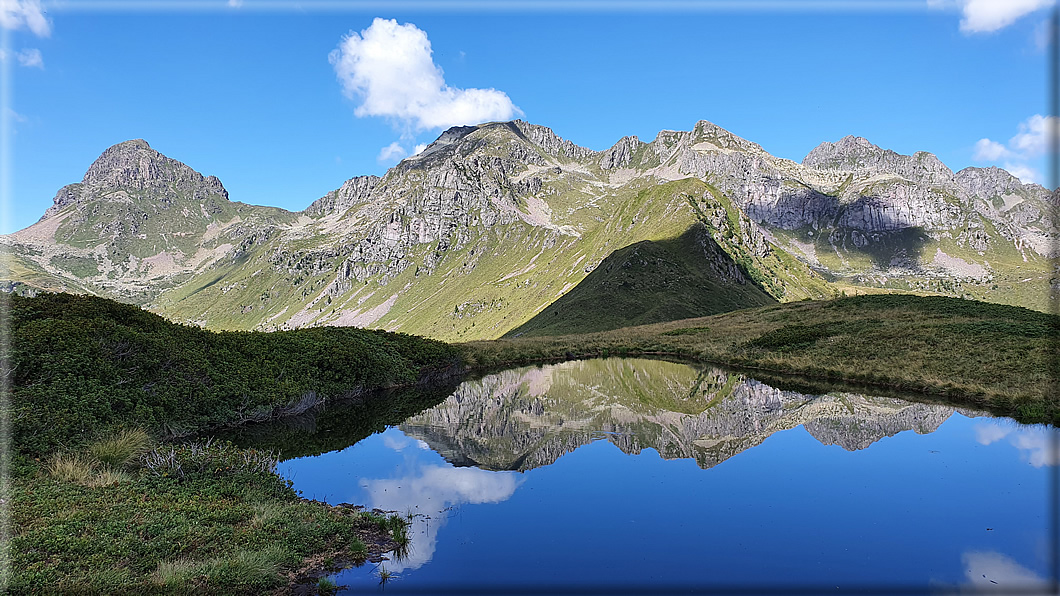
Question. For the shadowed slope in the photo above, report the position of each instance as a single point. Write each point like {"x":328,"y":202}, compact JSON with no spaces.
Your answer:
{"x":651,"y":282}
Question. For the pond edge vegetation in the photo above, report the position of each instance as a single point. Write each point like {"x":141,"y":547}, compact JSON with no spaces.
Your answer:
{"x":103,"y":390}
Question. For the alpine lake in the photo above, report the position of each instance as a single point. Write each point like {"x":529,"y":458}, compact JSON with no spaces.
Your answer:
{"x":649,"y":476}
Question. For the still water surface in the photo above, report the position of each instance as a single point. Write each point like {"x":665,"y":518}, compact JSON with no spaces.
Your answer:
{"x":649,"y":474}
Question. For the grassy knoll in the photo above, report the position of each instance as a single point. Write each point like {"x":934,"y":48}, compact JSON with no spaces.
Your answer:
{"x":991,"y":356}
{"x":101,"y":508}
{"x":649,"y":282}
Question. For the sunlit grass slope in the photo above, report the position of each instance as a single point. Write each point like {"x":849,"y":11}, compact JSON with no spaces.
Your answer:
{"x":651,"y":282}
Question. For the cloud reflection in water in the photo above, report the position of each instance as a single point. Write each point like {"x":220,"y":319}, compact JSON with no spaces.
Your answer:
{"x":430,"y":490}
{"x":992,"y":572}
{"x":1032,"y":441}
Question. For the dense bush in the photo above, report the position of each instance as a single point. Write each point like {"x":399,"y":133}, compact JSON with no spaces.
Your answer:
{"x":83,"y":365}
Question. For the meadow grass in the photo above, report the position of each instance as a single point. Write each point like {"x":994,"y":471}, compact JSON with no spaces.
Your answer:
{"x":213,"y":520}
{"x":996,"y":357}
{"x":103,"y":501}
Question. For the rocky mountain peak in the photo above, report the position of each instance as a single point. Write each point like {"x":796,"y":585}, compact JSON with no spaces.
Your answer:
{"x":848,"y":153}
{"x":857,"y":154}
{"x":553,"y":144}
{"x":988,"y":182}
{"x":620,"y":154}
{"x":708,"y":132}
{"x":352,"y":192}
{"x":135,"y":166}
{"x":138,"y":170}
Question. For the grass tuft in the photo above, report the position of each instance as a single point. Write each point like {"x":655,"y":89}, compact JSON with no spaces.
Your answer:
{"x":121,"y":448}
{"x":72,"y":467}
{"x":176,"y":574}
{"x":326,"y":586}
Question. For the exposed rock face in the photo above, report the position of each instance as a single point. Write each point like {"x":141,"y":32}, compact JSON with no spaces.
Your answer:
{"x":527,"y":418}
{"x":137,"y":169}
{"x":620,"y":154}
{"x":857,"y":154}
{"x":353,"y":192}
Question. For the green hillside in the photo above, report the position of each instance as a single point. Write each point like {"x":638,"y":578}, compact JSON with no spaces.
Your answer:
{"x":85,"y":365}
{"x":651,"y":282}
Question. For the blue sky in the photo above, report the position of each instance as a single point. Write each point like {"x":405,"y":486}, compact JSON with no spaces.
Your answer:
{"x":247,"y":92}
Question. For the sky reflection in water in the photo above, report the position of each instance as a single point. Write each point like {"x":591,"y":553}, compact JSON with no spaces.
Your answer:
{"x":560,"y":481}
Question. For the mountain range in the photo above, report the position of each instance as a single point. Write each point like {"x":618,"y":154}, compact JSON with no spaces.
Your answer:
{"x":506,"y":228}
{"x":527,"y":418}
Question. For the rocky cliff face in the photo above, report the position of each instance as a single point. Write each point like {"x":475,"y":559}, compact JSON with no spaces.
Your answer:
{"x":137,"y":171}
{"x":527,"y":418}
{"x":492,"y":223}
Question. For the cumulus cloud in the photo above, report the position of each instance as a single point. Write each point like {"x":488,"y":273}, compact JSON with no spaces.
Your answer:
{"x":18,"y":14}
{"x":31,"y":58}
{"x":430,"y":492}
{"x":392,"y":153}
{"x":985,"y":16}
{"x":1033,"y":137}
{"x":1025,"y":173}
{"x":390,"y":69}
{"x":1033,"y":442}
{"x":989,"y":570}
{"x":1030,"y":143}
{"x":987,"y":150}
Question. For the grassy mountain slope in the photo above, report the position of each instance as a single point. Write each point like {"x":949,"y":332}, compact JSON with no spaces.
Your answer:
{"x":103,"y":507}
{"x":650,"y":282}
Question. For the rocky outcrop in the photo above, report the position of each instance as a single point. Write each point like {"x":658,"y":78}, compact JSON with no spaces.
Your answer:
{"x":142,"y":173}
{"x":352,"y":193}
{"x":620,"y":154}
{"x":859,"y":155}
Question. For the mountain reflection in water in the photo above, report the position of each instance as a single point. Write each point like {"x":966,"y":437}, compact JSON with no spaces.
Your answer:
{"x":645,"y":473}
{"x":526,"y":418}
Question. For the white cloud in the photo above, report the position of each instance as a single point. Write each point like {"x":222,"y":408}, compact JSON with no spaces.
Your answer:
{"x":987,"y":150}
{"x":392,"y":152}
{"x":1033,"y":138}
{"x":430,"y":492}
{"x":390,"y":69}
{"x":1033,"y":442}
{"x":1025,"y":173}
{"x":396,"y":441}
{"x":1035,"y":448}
{"x":985,"y":16}
{"x":16,"y":14}
{"x":31,"y":58}
{"x":990,"y":570}
{"x":1030,"y":143}
{"x":990,"y":432}
{"x":12,"y":114}
{"x":419,"y":148}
